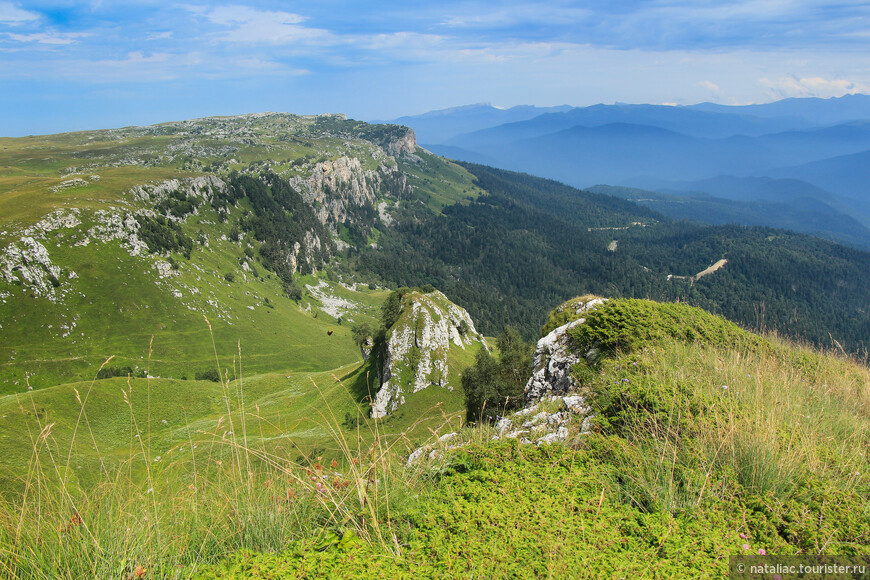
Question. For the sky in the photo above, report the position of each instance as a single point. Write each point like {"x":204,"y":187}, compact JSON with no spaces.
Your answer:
{"x":70,"y":65}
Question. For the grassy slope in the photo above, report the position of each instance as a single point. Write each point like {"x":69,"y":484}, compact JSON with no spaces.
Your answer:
{"x":679,"y":474}
{"x":677,"y":468}
{"x":115,"y":303}
{"x":122,"y":310}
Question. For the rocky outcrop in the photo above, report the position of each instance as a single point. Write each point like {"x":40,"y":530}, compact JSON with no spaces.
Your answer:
{"x":337,"y":189}
{"x":28,"y":262}
{"x":416,"y":353}
{"x":556,"y":353}
{"x":201,"y":187}
{"x":404,"y":145}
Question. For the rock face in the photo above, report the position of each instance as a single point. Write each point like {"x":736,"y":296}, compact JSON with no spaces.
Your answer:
{"x":338,"y":189}
{"x":31,"y":261}
{"x":417,"y":348}
{"x":554,"y":407}
{"x":555,"y":354}
{"x":405,"y":145}
{"x":202,"y":187}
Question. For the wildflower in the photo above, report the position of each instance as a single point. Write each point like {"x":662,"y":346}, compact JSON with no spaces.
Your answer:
{"x":139,"y":571}
{"x":745,"y":546}
{"x":333,"y":464}
{"x":724,"y":387}
{"x":742,"y":536}
{"x":762,"y":552}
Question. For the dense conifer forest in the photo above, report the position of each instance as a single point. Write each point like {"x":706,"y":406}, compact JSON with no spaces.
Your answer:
{"x":512,"y":255}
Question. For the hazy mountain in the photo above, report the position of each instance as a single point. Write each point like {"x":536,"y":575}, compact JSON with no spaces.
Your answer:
{"x":746,"y":188}
{"x":819,"y":111}
{"x":804,"y":214}
{"x":679,"y":119}
{"x":441,"y":125}
{"x":798,"y":152}
{"x":847,"y":175}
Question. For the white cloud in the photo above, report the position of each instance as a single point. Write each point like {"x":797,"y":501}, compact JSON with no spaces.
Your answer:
{"x":793,"y":86}
{"x":11,"y":14}
{"x":404,"y":41}
{"x":56,"y":38}
{"x":248,"y":25}
{"x":709,"y":85}
{"x":520,"y":14}
{"x":159,"y":36}
{"x":136,"y":67}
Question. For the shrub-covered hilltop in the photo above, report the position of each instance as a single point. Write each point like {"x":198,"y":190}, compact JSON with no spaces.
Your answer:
{"x":705,"y":441}
{"x":651,"y":440}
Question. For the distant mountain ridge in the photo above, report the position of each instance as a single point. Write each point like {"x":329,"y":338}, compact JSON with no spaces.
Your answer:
{"x":793,"y":152}
{"x":444,"y":124}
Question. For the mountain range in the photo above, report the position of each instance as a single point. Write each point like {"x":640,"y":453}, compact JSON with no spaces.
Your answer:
{"x":790,"y":152}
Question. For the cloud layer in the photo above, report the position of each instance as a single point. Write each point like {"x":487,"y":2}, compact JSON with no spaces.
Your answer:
{"x":391,"y":58}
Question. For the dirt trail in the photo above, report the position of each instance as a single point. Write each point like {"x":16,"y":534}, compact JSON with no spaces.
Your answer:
{"x":709,"y":270}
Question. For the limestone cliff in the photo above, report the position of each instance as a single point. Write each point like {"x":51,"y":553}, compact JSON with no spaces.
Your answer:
{"x":419,"y":346}
{"x":339,"y":188}
{"x":555,"y":408}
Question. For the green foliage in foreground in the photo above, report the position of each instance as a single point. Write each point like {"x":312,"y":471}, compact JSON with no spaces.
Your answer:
{"x":695,"y":443}
{"x":510,"y":511}
{"x":708,"y":442}
{"x":565,"y":313}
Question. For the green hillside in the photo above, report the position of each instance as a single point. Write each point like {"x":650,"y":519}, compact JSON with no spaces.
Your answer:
{"x":708,"y":442}
{"x":531,"y":243}
{"x":105,"y":298}
{"x":181,"y":314}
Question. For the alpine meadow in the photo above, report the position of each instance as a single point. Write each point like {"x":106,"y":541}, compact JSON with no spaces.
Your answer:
{"x":535,"y":341}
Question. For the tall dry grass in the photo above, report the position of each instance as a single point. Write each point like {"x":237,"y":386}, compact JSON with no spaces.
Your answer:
{"x":765,"y":419}
{"x":223,"y":490}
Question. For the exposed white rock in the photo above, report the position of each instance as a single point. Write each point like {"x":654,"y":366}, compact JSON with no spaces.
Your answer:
{"x":164,"y":269}
{"x":566,"y":415}
{"x":555,"y":354}
{"x":417,"y":348}
{"x":69,"y":184}
{"x":384,"y":214}
{"x":404,"y":145}
{"x":335,"y":187}
{"x":335,"y":306}
{"x":202,"y":187}
{"x":55,"y":220}
{"x":27,"y":261}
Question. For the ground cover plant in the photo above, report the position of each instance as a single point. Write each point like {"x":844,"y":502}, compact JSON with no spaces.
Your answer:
{"x":704,"y":446}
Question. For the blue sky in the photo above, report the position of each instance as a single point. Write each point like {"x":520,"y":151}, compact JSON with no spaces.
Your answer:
{"x":69,"y":65}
